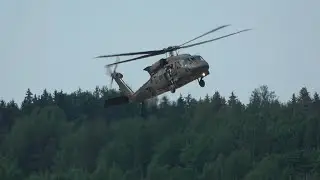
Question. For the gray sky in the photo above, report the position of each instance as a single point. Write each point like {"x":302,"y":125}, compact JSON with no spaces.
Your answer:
{"x":51,"y":44}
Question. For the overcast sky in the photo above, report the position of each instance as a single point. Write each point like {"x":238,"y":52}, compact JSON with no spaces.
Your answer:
{"x":51,"y":44}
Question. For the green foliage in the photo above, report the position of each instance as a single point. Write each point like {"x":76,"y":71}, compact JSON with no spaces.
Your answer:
{"x":71,"y":136}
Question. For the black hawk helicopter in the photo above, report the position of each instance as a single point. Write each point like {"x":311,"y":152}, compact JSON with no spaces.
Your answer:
{"x":167,"y":74}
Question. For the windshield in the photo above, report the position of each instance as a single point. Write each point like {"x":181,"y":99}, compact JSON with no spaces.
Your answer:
{"x":192,"y":58}
{"x":197,"y":57}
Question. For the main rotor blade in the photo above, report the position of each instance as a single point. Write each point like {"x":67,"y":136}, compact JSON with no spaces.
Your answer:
{"x":129,"y":54}
{"x":133,"y":59}
{"x":162,"y":51}
{"x":213,"y":30}
{"x":221,"y":37}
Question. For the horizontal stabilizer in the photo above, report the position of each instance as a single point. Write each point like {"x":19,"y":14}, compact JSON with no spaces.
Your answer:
{"x":116,"y":101}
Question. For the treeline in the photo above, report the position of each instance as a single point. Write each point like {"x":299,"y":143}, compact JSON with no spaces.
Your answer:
{"x":72,"y":137}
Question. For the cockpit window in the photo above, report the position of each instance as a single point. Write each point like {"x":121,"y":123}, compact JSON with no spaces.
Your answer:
{"x":192,"y":58}
{"x":197,"y":57}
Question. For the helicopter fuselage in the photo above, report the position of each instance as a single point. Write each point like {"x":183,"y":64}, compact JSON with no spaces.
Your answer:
{"x":177,"y":72}
{"x":167,"y":74}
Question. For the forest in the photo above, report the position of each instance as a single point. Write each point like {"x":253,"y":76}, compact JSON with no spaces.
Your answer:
{"x":71,"y":136}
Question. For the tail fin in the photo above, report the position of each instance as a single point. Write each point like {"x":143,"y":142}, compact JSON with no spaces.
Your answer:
{"x":124,"y":88}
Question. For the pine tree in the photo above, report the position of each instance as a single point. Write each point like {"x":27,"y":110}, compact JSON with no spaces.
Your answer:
{"x":27,"y":103}
{"x":305,"y":100}
{"x":232,"y":100}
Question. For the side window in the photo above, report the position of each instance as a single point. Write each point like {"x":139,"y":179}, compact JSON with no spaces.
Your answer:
{"x":191,"y":59}
{"x":185,"y":62}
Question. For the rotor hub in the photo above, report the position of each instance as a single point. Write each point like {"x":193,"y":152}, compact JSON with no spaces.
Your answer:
{"x":171,"y":50}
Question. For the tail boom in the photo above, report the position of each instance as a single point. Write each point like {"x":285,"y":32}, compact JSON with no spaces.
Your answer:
{"x":125,"y":90}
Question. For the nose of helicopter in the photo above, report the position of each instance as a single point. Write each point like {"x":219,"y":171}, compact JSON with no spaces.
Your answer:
{"x":201,"y":67}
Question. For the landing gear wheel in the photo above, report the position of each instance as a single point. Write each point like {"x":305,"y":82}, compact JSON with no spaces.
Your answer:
{"x":202,"y":83}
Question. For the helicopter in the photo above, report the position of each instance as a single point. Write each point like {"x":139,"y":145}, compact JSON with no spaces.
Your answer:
{"x":166,"y":74}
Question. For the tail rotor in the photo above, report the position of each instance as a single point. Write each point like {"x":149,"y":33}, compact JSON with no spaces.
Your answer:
{"x":112,"y":73}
